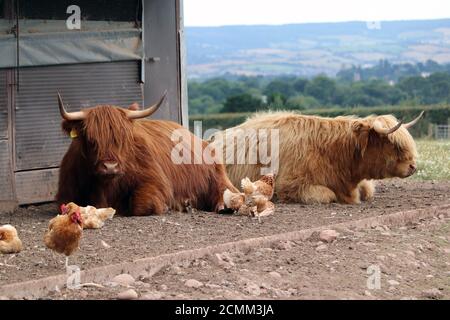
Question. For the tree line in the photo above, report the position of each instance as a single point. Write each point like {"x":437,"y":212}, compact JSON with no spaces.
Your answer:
{"x":354,"y":87}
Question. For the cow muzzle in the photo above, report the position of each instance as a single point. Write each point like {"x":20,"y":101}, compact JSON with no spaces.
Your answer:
{"x":412,"y":169}
{"x":109,"y":168}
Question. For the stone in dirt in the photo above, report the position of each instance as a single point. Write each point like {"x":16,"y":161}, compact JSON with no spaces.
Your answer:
{"x":393,"y":282}
{"x":322,"y":247}
{"x":192,"y":283}
{"x":432,"y":294}
{"x":284,"y":245}
{"x":105,"y":245}
{"x":152,"y":296}
{"x":176,"y":269}
{"x":280,"y":293}
{"x":391,"y":288}
{"x":275,"y":274}
{"x":224,"y":260}
{"x":212,"y":286}
{"x":123,"y":279}
{"x":128,"y":295}
{"x":141,"y":284}
{"x":328,"y":235}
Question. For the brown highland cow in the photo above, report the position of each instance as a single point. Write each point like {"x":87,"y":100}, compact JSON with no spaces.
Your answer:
{"x":116,"y":160}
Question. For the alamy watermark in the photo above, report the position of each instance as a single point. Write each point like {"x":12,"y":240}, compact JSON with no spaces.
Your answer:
{"x":233,"y":146}
{"x":374,"y":277}
{"x":73,"y":280}
{"x":373,"y":25}
{"x":73,"y":22}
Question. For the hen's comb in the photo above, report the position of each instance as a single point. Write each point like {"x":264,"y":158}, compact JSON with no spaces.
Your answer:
{"x":63,"y":209}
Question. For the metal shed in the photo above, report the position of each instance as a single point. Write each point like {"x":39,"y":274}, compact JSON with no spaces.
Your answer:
{"x":124,"y":52}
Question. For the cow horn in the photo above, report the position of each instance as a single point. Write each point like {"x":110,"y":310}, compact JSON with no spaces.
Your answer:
{"x":410,"y":124}
{"x":378,"y":127}
{"x":69,"y":116}
{"x":138,"y":114}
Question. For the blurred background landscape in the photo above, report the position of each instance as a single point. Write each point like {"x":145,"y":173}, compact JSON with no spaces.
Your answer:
{"x":327,"y":69}
{"x":235,"y":69}
{"x":314,"y":48}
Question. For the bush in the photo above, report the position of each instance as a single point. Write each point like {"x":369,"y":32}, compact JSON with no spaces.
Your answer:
{"x":433,"y":114}
{"x":302,"y":102}
{"x":242,"y":103}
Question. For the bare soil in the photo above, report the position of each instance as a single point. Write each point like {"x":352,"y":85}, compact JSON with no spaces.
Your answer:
{"x":413,"y":263}
{"x":131,"y":238}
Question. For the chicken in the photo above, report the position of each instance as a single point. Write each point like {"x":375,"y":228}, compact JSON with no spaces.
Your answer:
{"x":233,"y":200}
{"x":264,"y":186}
{"x":247,"y":209}
{"x":65,"y":230}
{"x":94,"y":218}
{"x":9,"y":240}
{"x":255,"y":199}
{"x":264,"y":207}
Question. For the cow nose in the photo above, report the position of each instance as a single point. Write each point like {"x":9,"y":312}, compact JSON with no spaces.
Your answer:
{"x":412,"y":168}
{"x":110,"y":166}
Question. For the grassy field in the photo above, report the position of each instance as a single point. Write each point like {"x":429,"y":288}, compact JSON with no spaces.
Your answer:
{"x":434,"y":160}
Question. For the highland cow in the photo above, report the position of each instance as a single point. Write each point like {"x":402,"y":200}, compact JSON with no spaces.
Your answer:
{"x":116,"y":160}
{"x":323,"y":160}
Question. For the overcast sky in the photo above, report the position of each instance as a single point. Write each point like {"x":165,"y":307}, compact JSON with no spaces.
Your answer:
{"x":232,"y":12}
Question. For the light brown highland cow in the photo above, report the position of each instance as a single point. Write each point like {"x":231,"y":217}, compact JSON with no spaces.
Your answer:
{"x":323,"y":160}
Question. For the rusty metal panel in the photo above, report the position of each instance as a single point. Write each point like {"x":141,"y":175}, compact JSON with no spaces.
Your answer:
{"x":40,"y":142}
{"x":6,"y":189}
{"x":36,"y":186}
{"x":3,"y":105}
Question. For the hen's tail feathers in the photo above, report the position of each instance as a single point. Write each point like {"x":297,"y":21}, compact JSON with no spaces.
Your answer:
{"x":106,"y":213}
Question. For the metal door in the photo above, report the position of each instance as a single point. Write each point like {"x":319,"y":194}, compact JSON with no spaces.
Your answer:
{"x":39,"y":140}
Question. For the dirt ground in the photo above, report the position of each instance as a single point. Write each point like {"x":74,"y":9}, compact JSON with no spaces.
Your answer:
{"x":130,"y":238}
{"x":413,"y":263}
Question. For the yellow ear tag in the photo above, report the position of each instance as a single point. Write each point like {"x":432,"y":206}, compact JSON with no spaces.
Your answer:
{"x":73,"y":133}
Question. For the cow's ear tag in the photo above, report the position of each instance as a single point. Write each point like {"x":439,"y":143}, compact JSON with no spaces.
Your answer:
{"x":73,"y":133}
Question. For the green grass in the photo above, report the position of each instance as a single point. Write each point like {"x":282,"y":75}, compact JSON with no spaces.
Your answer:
{"x":434,"y":160}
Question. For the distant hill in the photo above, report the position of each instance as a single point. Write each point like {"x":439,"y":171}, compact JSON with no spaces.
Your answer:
{"x":310,"y":49}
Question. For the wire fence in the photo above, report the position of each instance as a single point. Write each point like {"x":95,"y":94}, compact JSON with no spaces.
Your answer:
{"x":441,"y":131}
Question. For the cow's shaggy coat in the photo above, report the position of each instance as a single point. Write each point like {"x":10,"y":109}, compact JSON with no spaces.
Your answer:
{"x":327,"y":159}
{"x":146,"y":181}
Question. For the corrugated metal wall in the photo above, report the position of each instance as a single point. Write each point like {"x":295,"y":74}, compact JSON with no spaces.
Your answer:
{"x":3,"y":106}
{"x":6,"y":191}
{"x":39,"y":140}
{"x":30,"y":174}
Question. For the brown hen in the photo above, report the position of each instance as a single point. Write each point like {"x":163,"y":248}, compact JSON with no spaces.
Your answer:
{"x":65,"y":230}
